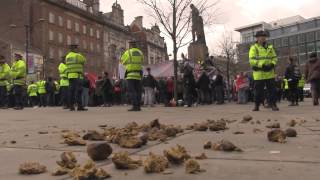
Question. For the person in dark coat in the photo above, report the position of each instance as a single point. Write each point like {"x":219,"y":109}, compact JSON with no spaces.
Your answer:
{"x":107,"y":90}
{"x":204,"y":86}
{"x":189,"y":84}
{"x":312,"y":75}
{"x":219,"y":88}
{"x":293,"y":75}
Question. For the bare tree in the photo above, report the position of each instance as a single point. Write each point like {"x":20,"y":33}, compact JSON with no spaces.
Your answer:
{"x":175,"y":18}
{"x":229,"y":51}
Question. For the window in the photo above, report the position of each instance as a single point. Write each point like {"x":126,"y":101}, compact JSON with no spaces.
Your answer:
{"x":293,"y":50}
{"x":76,"y":41}
{"x":310,"y":37}
{"x":302,"y":38}
{"x":302,"y":49}
{"x":84,"y":28}
{"x":51,"y":35}
{"x":275,"y":33}
{"x":60,"y":53}
{"x":85,"y":46}
{"x":51,"y":18}
{"x":60,"y":37}
{"x":318,"y":35}
{"x":60,"y":21}
{"x":277,"y":43}
{"x":77,"y":27}
{"x":302,"y":58}
{"x":91,"y":32}
{"x":91,"y":46}
{"x":290,"y":29}
{"x":68,"y":40}
{"x":311,"y":47}
{"x":98,"y":34}
{"x":293,"y":40}
{"x":51,"y":52}
{"x":318,"y":46}
{"x":307,"y":25}
{"x":285,"y":41}
{"x":69,"y":25}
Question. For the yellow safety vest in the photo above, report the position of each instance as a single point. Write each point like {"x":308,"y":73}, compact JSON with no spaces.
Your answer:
{"x":4,"y":74}
{"x":32,"y":90}
{"x":286,"y":84}
{"x":42,"y":87}
{"x":18,"y":72}
{"x":64,"y":81}
{"x":75,"y":65}
{"x":132,"y":60}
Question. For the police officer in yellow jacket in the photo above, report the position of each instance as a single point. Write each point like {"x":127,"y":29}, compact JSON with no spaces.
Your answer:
{"x":42,"y":92}
{"x":75,"y":72}
{"x":263,"y":59}
{"x":132,"y":60}
{"x":301,"y":85}
{"x":4,"y":77}
{"x":33,"y":93}
{"x":64,"y":83}
{"x":18,"y":74}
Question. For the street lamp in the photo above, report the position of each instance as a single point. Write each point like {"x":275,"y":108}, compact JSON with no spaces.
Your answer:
{"x":28,"y":28}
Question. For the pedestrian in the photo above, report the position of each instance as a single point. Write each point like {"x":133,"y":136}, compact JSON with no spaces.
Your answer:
{"x":189,"y":87}
{"x":107,"y":90}
{"x":85,"y":91}
{"x":242,"y":83}
{"x":75,"y":70}
{"x":293,"y":74}
{"x":4,"y":80}
{"x":64,"y":84}
{"x":42,"y":92}
{"x":286,"y":89}
{"x":33,"y":94}
{"x":132,"y":60}
{"x":301,"y":85}
{"x":117,"y":92}
{"x":149,"y":84}
{"x":219,"y":88}
{"x":18,"y":74}
{"x":169,"y":89}
{"x":204,"y":87}
{"x":50,"y":89}
{"x":312,"y":75}
{"x":263,"y":60}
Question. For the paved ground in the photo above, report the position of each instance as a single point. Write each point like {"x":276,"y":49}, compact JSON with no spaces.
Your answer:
{"x":298,"y":159}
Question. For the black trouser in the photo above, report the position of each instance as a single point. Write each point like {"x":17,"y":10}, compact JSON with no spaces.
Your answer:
{"x":301,"y":95}
{"x":134,"y":92}
{"x":43,"y":100}
{"x":33,"y":100}
{"x":18,"y":95}
{"x":219,"y":94}
{"x":293,"y":91}
{"x":51,"y":99}
{"x":3,"y":96}
{"x":75,"y":92}
{"x":64,"y":91}
{"x":259,"y":91}
{"x":107,"y":97}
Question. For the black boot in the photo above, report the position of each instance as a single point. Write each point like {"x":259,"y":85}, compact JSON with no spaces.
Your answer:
{"x":256,"y":108}
{"x":134,"y":109}
{"x":82,"y":109}
{"x":274,"y":107}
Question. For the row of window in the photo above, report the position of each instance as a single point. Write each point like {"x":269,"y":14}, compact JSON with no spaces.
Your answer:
{"x":296,"y":39}
{"x":295,"y":28}
{"x":84,"y":30}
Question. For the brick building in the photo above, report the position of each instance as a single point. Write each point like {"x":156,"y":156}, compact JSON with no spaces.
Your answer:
{"x":150,"y":42}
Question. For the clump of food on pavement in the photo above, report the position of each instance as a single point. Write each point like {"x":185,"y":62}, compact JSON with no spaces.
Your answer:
{"x":30,"y":168}
{"x":177,"y":155}
{"x":207,"y":145}
{"x":277,"y":135}
{"x":89,"y":171}
{"x":202,"y":156}
{"x":225,"y":145}
{"x":256,"y":130}
{"x":192,"y":167}
{"x":73,"y":139}
{"x":290,"y":132}
{"x":68,"y":162}
{"x":292,"y":123}
{"x":200,"y":126}
{"x":155,"y":163}
{"x":246,"y":118}
{"x":121,"y":160}
{"x":93,"y":135}
{"x":99,"y":151}
{"x":273,"y":125}
{"x":219,"y":125}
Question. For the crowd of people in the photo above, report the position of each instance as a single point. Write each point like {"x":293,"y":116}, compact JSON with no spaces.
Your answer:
{"x":261,"y":85}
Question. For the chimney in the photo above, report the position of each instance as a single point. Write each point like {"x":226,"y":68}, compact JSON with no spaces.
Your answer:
{"x":117,"y":14}
{"x":138,"y":21}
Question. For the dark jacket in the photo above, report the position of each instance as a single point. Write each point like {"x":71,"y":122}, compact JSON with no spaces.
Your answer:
{"x":203,"y":82}
{"x":293,"y":73}
{"x":219,"y":80}
{"x":86,"y":83}
{"x":107,"y":86}
{"x":312,"y":71}
{"x":149,"y":81}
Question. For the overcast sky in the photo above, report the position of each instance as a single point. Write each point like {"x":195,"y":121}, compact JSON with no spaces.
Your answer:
{"x":233,"y":14}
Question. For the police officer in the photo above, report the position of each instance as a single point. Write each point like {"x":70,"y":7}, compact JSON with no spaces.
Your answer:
{"x":75,"y":72}
{"x":4,"y":76}
{"x":18,"y":74}
{"x":132,"y":60}
{"x":64,"y":83}
{"x":33,"y":93}
{"x":301,"y":85}
{"x":263,"y":59}
{"x":42,"y":91}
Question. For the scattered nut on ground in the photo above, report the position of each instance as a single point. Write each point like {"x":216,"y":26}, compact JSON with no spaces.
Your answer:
{"x":29,"y":168}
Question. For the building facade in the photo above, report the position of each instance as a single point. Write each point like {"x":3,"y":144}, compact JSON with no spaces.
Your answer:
{"x":295,"y":37}
{"x":150,"y":42}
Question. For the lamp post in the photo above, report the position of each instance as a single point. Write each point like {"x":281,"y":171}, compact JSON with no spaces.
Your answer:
{"x":28,"y":29}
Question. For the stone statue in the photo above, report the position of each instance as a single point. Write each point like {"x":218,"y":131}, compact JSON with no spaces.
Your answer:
{"x":197,"y":26}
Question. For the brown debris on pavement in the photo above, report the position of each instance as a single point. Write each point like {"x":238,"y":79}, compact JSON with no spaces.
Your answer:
{"x":207,"y":145}
{"x":121,"y":160}
{"x":177,"y":155}
{"x":225,"y":145}
{"x":29,"y":168}
{"x":66,"y":164}
{"x":202,"y":156}
{"x":277,"y":135}
{"x":256,"y":130}
{"x":273,"y":125}
{"x":291,"y":132}
{"x":89,"y":171}
{"x":218,"y":125}
{"x":92,"y":135}
{"x":99,"y":151}
{"x":192,"y":167}
{"x":246,"y":118}
{"x":73,"y":139}
{"x":292,"y":123}
{"x":155,"y":163}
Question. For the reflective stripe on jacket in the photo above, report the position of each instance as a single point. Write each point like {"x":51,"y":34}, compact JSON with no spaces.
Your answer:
{"x":132,"y":59}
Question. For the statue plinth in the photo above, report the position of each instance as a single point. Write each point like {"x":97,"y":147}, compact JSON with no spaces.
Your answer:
{"x":197,"y":51}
